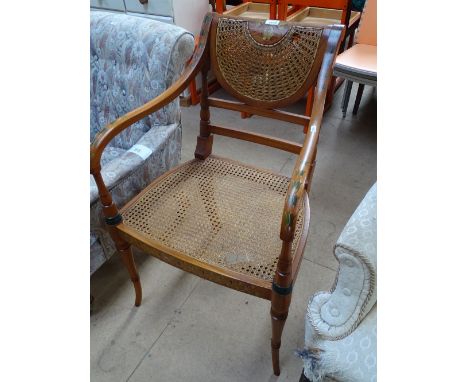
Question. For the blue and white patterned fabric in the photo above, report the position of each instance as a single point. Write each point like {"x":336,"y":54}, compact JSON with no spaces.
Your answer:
{"x":133,"y":60}
{"x":340,"y":325}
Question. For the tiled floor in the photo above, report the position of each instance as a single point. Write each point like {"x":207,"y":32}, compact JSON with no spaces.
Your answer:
{"x":188,"y":329}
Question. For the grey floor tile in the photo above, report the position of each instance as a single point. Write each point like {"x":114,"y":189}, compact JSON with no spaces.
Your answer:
{"x":224,"y":335}
{"x":121,"y":334}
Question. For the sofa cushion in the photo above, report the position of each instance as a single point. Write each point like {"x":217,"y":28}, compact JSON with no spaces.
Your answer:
{"x":110,"y":153}
{"x":117,"y":168}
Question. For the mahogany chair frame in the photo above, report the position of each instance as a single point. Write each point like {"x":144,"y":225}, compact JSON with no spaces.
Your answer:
{"x":280,"y":289}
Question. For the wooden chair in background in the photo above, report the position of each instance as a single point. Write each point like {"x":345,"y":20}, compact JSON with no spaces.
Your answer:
{"x":359,"y":63}
{"x":233,"y":224}
{"x":321,"y":11}
{"x":252,"y":7}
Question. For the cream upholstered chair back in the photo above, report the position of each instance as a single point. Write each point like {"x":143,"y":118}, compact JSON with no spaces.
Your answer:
{"x":367,"y":33}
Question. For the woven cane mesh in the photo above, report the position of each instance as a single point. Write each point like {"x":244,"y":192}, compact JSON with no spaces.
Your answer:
{"x":265,"y":72}
{"x":219,"y":212}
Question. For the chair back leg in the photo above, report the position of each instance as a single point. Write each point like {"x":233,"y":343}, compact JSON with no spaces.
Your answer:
{"x":205,"y":138}
{"x":346,"y":95}
{"x":357,"y":102}
{"x":279,"y":313}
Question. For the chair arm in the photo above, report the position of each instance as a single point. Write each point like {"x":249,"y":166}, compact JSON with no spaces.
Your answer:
{"x":306,"y":159}
{"x":103,"y":138}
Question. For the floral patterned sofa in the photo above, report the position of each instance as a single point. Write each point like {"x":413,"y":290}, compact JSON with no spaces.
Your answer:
{"x":341,"y":325}
{"x":133,"y":60}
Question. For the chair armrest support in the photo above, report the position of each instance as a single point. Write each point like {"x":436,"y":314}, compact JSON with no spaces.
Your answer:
{"x":306,"y":159}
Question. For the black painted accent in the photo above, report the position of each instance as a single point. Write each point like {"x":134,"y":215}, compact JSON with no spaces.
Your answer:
{"x":281,"y":290}
{"x":117,"y":219}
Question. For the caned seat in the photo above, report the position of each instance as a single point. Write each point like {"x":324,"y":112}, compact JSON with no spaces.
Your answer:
{"x":227,"y":222}
{"x":219,"y":212}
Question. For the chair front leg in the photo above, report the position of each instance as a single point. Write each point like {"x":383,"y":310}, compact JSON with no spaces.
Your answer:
{"x":127,"y":257}
{"x":279,"y":313}
{"x":280,"y":300}
{"x":113,"y":218}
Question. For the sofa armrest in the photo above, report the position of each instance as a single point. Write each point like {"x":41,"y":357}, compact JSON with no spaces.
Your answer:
{"x":335,"y":314}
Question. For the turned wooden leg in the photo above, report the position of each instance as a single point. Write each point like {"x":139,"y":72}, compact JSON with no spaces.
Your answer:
{"x":127,"y":258}
{"x":204,"y":139}
{"x":281,"y":290}
{"x":113,"y":219}
{"x":279,"y":313}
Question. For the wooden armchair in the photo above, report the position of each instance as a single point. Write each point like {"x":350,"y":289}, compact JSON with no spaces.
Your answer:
{"x":235,"y":225}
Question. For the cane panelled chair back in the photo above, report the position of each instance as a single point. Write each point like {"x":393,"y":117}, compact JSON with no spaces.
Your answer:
{"x":233,"y":224}
{"x":264,"y":65}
